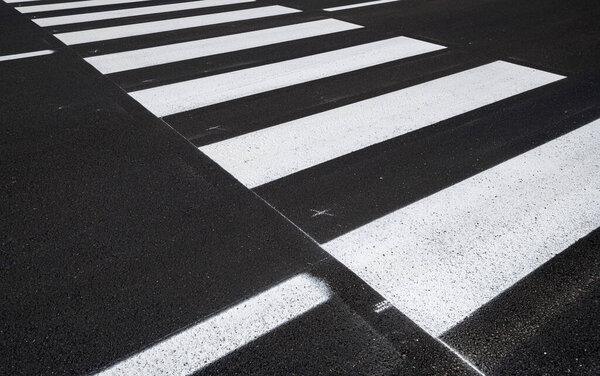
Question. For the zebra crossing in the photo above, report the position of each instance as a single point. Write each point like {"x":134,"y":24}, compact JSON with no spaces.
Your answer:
{"x":459,"y":248}
{"x":193,"y":94}
{"x":68,"y":5}
{"x":358,"y":5}
{"x":123,"y":31}
{"x":307,"y":142}
{"x":146,"y":57}
{"x":260,"y":103}
{"x":121,"y":13}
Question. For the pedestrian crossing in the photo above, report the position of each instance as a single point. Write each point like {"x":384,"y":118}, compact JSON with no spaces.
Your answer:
{"x":147,"y":57}
{"x":121,"y":13}
{"x":288,"y":148}
{"x":154,"y":27}
{"x":359,"y":5}
{"x":182,"y":96}
{"x":441,"y":258}
{"x":227,"y":331}
{"x":439,"y":242}
{"x":33,"y":8}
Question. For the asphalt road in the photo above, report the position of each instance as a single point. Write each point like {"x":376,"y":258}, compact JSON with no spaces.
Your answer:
{"x":334,"y":187}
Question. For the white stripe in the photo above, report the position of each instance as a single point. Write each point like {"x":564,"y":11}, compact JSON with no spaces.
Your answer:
{"x":113,"y":32}
{"x":262,"y":156}
{"x":146,"y":57}
{"x":459,"y":355}
{"x":441,"y":258}
{"x":359,"y":5}
{"x":19,"y":1}
{"x":71,"y":5}
{"x":206,"y":342}
{"x":112,"y":14}
{"x":25,"y":55}
{"x":187,"y":95}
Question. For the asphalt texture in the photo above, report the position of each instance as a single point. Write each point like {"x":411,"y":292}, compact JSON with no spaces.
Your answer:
{"x":119,"y":235}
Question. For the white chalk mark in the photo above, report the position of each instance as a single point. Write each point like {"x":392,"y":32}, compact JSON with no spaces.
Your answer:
{"x":26,"y":55}
{"x":187,"y":95}
{"x":121,"y":13}
{"x":209,"y":340}
{"x":146,"y":57}
{"x":122,"y":31}
{"x":441,"y":258}
{"x":265,"y":155}
{"x":70,"y":5}
{"x":359,"y":5}
{"x":318,"y":213}
{"x":382,"y":306}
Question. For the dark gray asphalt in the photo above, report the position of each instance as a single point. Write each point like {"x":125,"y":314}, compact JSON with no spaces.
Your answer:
{"x":117,"y":232}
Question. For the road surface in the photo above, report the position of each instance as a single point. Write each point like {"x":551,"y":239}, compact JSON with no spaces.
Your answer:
{"x":257,"y":187}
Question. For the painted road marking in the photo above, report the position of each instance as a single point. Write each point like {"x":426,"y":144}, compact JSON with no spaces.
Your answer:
{"x":187,"y":95}
{"x":113,"y":32}
{"x":265,"y":155}
{"x":359,"y":5}
{"x":146,"y":57}
{"x":112,"y":14}
{"x":25,"y":55}
{"x":70,"y":5}
{"x":440,"y":258}
{"x":19,"y":1}
{"x":198,"y":346}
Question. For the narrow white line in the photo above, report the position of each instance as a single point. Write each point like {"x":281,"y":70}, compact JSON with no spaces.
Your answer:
{"x":146,"y":57}
{"x":25,"y":55}
{"x":187,"y":95}
{"x":209,"y":340}
{"x":459,"y":355}
{"x":262,"y":156}
{"x":123,"y":31}
{"x":113,"y":14}
{"x":359,"y":5}
{"x":71,"y":5}
{"x":441,"y":258}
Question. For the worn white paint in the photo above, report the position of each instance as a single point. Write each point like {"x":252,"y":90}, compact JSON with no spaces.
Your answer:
{"x":25,"y":55}
{"x":121,"y":13}
{"x":262,"y":156}
{"x":187,"y":95}
{"x":439,"y":259}
{"x":198,"y":346}
{"x":122,"y":31}
{"x":146,"y":57}
{"x":69,"y":5}
{"x":359,"y":5}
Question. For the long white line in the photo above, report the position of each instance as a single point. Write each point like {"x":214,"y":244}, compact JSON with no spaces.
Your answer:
{"x":20,"y":1}
{"x":359,"y":5}
{"x":146,"y":57}
{"x":69,"y":5}
{"x":182,"y":96}
{"x":262,"y":156}
{"x":26,"y":55}
{"x":113,"y":14}
{"x":461,"y":357}
{"x":441,"y":258}
{"x":209,"y":340}
{"x":113,"y":32}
